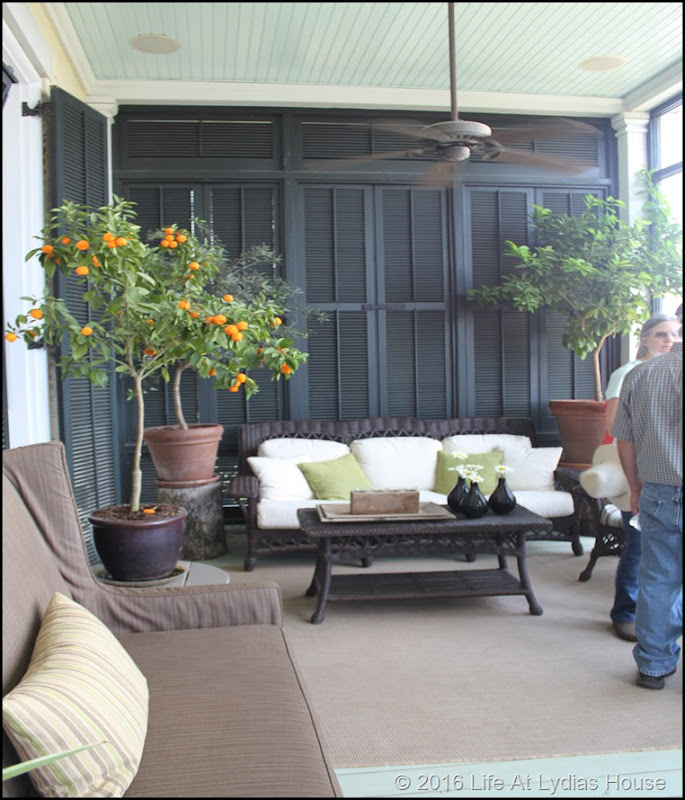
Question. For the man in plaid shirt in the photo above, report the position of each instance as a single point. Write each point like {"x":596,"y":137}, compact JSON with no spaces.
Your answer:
{"x":649,"y":433}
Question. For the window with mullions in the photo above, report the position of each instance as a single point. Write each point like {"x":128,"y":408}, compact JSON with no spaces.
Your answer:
{"x":665,"y":149}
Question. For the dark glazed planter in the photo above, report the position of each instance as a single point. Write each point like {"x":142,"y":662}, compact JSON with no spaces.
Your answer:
{"x":456,"y":497}
{"x":474,"y":504}
{"x":502,"y":501}
{"x":184,"y":456}
{"x":582,"y":424}
{"x":138,"y":550}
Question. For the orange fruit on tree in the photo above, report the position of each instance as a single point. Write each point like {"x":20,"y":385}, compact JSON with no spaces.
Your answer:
{"x":219,"y":319}
{"x":48,"y":249}
{"x":228,"y":298}
{"x":286,"y":370}
{"x":112,"y":245}
{"x":86,"y":330}
{"x":82,"y":270}
{"x":36,"y":313}
{"x":96,"y":263}
{"x":181,"y":238}
{"x":108,"y":237}
{"x":237,"y":336}
{"x":235,"y":388}
{"x":241,"y":377}
{"x":82,"y":244}
{"x":193,"y":314}
{"x":183,"y":304}
{"x":149,"y":351}
{"x":120,"y":241}
{"x":212,"y":372}
{"x":164,"y":243}
{"x":193,"y":265}
{"x":230,"y":329}
{"x":275,"y":322}
{"x":65,"y":240}
{"x":173,"y":244}
{"x":169,"y":231}
{"x":242,"y":325}
{"x":11,"y":337}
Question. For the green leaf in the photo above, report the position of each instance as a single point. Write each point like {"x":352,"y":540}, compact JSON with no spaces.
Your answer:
{"x":41,"y":761}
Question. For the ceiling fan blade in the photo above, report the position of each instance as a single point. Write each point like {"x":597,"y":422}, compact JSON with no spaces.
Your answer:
{"x":544,"y":127}
{"x":439,"y":175}
{"x":557,"y":163}
{"x":336,"y":163}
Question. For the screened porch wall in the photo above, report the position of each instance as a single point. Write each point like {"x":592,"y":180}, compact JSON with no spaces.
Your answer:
{"x":386,"y":257}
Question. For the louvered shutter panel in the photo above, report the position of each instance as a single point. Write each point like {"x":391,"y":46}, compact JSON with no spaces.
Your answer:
{"x":502,"y":337}
{"x":78,"y":164}
{"x":413,"y":320}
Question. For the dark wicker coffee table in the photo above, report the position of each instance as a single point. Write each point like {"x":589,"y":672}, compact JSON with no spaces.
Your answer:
{"x":490,"y":535}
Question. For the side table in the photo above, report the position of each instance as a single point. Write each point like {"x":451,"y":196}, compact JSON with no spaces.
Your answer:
{"x":187,"y":573}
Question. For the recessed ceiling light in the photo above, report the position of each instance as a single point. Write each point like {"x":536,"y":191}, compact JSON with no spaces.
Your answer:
{"x":155,"y":43}
{"x":602,"y":63}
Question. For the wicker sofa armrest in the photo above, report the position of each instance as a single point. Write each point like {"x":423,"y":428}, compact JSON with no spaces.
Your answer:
{"x":243,"y":486}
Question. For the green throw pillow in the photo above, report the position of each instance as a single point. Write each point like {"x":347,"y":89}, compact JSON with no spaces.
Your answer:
{"x":334,"y":480}
{"x":446,"y":478}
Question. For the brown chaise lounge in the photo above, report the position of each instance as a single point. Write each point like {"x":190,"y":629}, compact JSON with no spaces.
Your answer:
{"x":228,"y":716}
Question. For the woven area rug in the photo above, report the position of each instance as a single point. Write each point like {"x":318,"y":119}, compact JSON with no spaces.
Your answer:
{"x":477,"y":679}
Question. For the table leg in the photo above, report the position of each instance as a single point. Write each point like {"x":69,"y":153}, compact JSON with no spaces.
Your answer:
{"x":535,"y":607}
{"x":323,"y":579}
{"x":313,"y":589}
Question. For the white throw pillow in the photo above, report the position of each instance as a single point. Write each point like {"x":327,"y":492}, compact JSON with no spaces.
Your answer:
{"x":303,"y":449}
{"x":398,"y":462}
{"x":280,"y":478}
{"x":532,"y":469}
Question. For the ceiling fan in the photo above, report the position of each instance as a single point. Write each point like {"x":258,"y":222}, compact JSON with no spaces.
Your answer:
{"x":457,"y":140}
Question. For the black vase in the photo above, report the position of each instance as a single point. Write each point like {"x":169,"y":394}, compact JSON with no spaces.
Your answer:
{"x":502,"y":501}
{"x":456,"y":497}
{"x":474,"y":504}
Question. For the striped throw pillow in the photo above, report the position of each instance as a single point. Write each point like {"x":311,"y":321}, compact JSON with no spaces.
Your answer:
{"x":81,"y":686}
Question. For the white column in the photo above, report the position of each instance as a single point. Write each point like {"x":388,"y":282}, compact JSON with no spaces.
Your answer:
{"x":109,"y":108}
{"x":631,"y":136}
{"x":26,"y":371}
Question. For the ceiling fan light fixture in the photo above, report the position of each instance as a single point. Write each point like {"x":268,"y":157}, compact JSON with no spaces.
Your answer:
{"x":157,"y":44}
{"x":602,"y":63}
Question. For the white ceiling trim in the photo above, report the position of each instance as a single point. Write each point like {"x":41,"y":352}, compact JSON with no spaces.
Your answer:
{"x":657,"y":91}
{"x":64,"y":28}
{"x":311,"y":96}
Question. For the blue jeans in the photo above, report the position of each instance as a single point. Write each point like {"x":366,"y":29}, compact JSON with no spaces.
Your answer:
{"x":627,"y":574}
{"x":659,"y":617}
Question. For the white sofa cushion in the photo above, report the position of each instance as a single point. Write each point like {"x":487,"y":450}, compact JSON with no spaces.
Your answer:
{"x":303,"y":449}
{"x":485,"y":442}
{"x":545,"y":503}
{"x":532,"y":469}
{"x":398,"y":462}
{"x":280,"y":478}
{"x":282,"y":513}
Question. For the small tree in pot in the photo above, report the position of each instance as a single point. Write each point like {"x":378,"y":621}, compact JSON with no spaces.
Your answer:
{"x":141,"y":297}
{"x":597,"y":270}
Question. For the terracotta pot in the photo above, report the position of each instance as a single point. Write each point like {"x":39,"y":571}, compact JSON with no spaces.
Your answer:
{"x":138,"y":549}
{"x":582,"y":425}
{"x":184,"y":456}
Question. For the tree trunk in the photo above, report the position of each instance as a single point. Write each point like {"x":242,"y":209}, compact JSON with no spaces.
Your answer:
{"x":178,"y":408}
{"x":136,"y":473}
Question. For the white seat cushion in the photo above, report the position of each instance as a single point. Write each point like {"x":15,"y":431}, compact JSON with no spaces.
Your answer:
{"x":546,"y":504}
{"x":398,"y":462}
{"x":281,"y":513}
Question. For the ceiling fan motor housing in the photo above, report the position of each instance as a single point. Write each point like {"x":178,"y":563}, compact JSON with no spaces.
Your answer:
{"x":456,"y":129}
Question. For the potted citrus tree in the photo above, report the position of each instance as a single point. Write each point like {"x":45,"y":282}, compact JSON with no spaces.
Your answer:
{"x":219,"y":334}
{"x":600,"y":273}
{"x":146,"y":316}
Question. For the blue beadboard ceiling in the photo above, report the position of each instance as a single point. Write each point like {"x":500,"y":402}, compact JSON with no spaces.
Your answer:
{"x":329,"y":51}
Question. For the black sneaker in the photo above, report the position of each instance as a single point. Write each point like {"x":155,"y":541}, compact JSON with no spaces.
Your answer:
{"x":652,"y":681}
{"x":625,"y":630}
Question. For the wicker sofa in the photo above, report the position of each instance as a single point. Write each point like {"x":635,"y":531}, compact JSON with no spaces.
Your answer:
{"x":228,"y":714}
{"x":266,"y":534}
